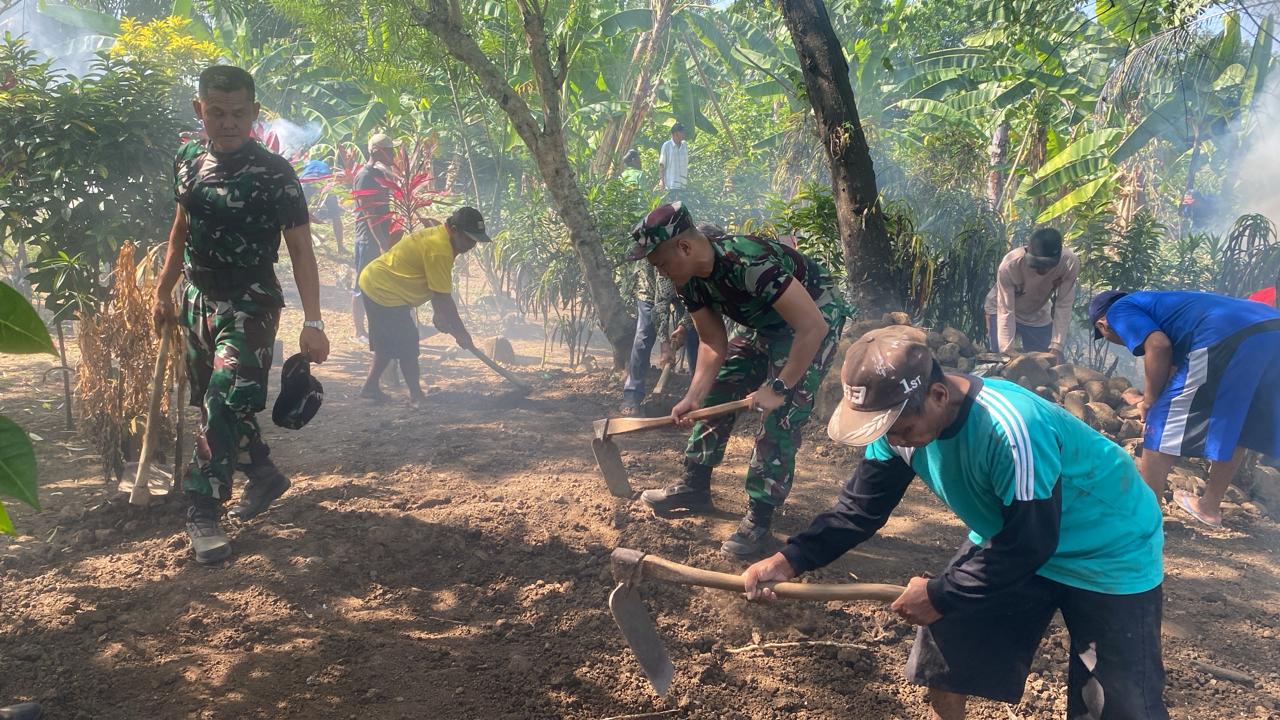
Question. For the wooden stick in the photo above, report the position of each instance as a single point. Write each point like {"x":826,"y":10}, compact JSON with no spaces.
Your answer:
{"x":141,"y":494}
{"x":625,"y":561}
{"x":797,"y":643}
{"x":1222,"y":673}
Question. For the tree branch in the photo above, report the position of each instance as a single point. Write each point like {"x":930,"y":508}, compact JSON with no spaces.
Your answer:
{"x":549,"y":82}
{"x":437,"y":18}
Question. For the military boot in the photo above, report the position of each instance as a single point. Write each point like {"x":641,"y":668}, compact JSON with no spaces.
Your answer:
{"x":752,"y":538}
{"x":208,"y":541}
{"x":266,"y":484}
{"x":691,"y":492}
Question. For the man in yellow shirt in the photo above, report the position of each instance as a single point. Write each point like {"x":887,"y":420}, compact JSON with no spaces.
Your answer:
{"x":416,"y":269}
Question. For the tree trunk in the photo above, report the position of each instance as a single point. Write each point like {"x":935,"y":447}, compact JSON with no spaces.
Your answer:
{"x":619,"y":134}
{"x":867,"y":249}
{"x":545,"y":142}
{"x":998,"y":153}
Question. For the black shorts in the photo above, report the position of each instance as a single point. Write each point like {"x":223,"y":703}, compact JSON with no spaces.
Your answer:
{"x":1115,"y":669}
{"x":392,"y":330}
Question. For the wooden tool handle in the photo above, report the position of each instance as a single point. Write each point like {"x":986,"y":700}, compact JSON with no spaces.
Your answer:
{"x":141,"y":493}
{"x":618,"y":426}
{"x":654,"y":567}
{"x":511,"y":378}
{"x":662,"y":379}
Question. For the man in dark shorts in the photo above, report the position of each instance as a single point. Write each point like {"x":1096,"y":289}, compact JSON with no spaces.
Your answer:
{"x":790,"y":315}
{"x":235,"y":199}
{"x":417,"y":269}
{"x":1211,"y":366}
{"x":1059,"y":520}
{"x":375,"y":231}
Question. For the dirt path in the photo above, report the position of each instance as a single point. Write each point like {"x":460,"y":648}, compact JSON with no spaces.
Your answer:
{"x":451,"y":562}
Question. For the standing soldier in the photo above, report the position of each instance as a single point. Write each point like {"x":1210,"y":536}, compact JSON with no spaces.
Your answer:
{"x":235,"y":198}
{"x":790,"y":313}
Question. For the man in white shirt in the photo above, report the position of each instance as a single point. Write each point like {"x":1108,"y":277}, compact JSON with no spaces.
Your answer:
{"x":673,"y":161}
{"x":1035,"y":288}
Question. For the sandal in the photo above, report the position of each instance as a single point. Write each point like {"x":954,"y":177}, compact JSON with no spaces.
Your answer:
{"x":1183,"y":499}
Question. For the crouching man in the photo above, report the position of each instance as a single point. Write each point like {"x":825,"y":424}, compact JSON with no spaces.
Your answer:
{"x":1059,"y":519}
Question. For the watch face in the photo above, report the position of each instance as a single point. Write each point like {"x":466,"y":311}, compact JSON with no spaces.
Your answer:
{"x":778,"y":386}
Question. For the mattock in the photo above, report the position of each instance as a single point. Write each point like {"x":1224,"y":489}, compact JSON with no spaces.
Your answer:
{"x":631,"y":567}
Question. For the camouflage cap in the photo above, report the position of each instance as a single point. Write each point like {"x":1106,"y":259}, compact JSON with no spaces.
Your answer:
{"x":300,"y":394}
{"x":660,"y":225}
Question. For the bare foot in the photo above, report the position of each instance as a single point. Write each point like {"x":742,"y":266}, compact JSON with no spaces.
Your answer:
{"x":375,"y":395}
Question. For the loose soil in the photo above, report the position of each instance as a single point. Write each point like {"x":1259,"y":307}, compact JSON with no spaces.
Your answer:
{"x":452,"y":562}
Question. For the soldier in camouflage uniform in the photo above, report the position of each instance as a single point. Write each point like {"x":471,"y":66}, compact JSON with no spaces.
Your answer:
{"x":790,"y":315}
{"x":235,"y":199}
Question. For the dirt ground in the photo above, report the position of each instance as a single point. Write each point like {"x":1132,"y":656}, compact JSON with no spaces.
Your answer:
{"x":452,"y":562}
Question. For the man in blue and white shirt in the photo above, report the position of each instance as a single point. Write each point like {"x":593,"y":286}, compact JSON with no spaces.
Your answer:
{"x":1059,"y":519}
{"x":1211,"y":365}
{"x":673,"y":162}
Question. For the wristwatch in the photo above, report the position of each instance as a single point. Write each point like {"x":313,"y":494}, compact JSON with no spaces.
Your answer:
{"x":779,"y":387}
{"x":317,"y":324}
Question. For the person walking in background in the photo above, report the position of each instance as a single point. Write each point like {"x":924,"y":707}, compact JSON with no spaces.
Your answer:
{"x":1212,"y":369}
{"x":631,"y":173}
{"x":1035,"y":288}
{"x":234,"y":200}
{"x":375,"y":233}
{"x":327,"y":209}
{"x":673,"y":163}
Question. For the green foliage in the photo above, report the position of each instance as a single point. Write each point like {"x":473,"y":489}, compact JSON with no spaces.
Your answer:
{"x":87,"y":162}
{"x":536,"y":266}
{"x":1116,"y":257}
{"x":21,"y":332}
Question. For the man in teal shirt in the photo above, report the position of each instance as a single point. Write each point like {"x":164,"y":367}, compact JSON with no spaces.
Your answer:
{"x":1059,"y":519}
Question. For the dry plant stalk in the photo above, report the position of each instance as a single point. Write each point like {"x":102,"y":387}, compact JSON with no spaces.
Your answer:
{"x":117,"y":355}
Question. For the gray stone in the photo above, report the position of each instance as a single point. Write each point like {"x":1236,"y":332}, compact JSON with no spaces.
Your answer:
{"x":960,"y":340}
{"x":965,"y":365}
{"x":1084,"y":375}
{"x":1066,"y":374}
{"x":1130,"y":429}
{"x":934,"y":340}
{"x":1104,"y":417}
{"x":896,"y":318}
{"x":948,"y":354}
{"x":1101,"y":392}
{"x":1120,"y":384}
{"x":1266,"y":489}
{"x":1029,"y":368}
{"x":1075,"y":402}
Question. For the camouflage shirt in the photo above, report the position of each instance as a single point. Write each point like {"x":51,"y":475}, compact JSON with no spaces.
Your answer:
{"x":749,"y":276}
{"x":236,"y":204}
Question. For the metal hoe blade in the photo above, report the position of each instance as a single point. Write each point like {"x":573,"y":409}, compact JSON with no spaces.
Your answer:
{"x":609,"y":459}
{"x":642,"y":636}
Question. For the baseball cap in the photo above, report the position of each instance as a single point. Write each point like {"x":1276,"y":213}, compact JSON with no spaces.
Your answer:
{"x":470,"y":221}
{"x":379,"y":141}
{"x":1099,"y":306}
{"x":300,"y":394}
{"x":882,"y":371}
{"x":1044,"y":250}
{"x":660,"y":225}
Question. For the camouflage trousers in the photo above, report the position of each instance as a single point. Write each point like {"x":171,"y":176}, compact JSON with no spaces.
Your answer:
{"x":229,"y":349}
{"x":752,"y":359}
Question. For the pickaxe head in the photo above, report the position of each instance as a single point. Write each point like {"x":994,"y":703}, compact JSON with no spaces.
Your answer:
{"x":635,"y":622}
{"x":609,"y":460}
